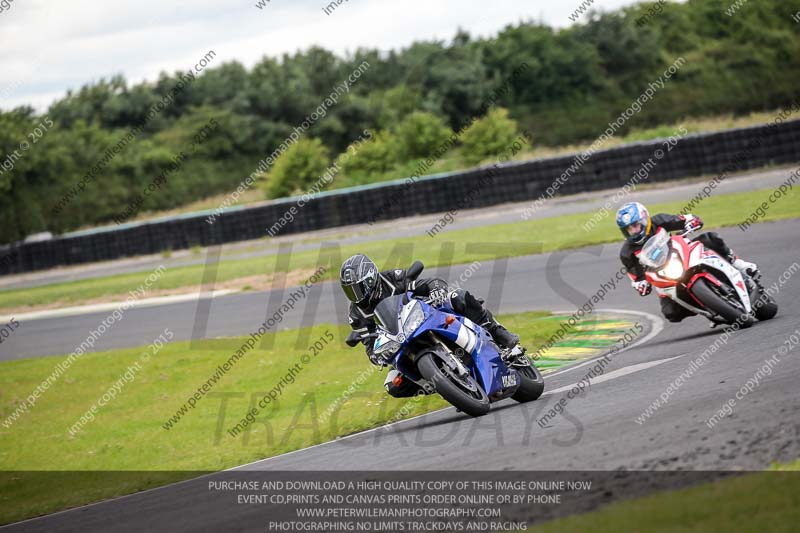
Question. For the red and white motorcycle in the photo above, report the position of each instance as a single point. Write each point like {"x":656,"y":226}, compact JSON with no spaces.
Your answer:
{"x":700,"y":280}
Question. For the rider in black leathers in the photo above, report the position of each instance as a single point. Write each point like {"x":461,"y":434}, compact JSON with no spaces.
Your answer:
{"x":365,"y":287}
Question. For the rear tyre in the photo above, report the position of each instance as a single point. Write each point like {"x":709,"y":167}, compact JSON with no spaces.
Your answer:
{"x":764,"y":306}
{"x":531,"y":383}
{"x":463,"y":392}
{"x":768,"y":309}
{"x":710,"y":296}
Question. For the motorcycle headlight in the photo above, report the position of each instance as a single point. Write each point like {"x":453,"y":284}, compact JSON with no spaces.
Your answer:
{"x":673,"y":268}
{"x":385,"y":346}
{"x":415,"y":318}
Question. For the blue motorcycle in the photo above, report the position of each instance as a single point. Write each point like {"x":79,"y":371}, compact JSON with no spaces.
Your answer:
{"x":449,"y":354}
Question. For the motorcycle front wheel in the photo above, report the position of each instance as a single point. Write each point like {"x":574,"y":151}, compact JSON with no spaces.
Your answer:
{"x":463,"y":392}
{"x":709,"y":295}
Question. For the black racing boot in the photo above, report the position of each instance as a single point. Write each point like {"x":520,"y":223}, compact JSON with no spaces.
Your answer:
{"x":465,"y":303}
{"x":503,"y":337}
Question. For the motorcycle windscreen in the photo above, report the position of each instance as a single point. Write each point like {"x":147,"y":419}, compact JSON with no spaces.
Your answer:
{"x":387,"y":313}
{"x":655,"y":252}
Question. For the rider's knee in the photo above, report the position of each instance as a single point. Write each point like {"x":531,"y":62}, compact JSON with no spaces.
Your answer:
{"x":674,"y":317}
{"x":398,"y":386}
{"x":397,"y":392}
{"x":674,"y":313}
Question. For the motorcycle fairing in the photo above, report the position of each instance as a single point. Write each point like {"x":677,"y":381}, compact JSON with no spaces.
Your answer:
{"x":488,"y":368}
{"x":692,"y":255}
{"x":720,"y":265}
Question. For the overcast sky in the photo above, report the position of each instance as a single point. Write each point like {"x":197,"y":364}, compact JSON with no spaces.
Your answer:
{"x":49,"y":46}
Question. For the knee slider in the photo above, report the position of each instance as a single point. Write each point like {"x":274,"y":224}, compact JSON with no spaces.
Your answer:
{"x":392,"y":390}
{"x":673,"y":315}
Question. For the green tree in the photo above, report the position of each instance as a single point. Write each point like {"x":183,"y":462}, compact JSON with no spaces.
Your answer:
{"x":420,"y":133}
{"x":389,"y":106}
{"x":298,"y":168}
{"x":488,"y":136}
{"x":371,"y":160}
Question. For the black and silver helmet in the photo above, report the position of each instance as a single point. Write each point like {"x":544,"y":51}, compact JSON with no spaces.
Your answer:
{"x":359,"y":277}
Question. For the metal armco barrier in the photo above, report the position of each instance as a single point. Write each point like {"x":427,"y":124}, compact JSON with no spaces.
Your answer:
{"x":694,"y":155}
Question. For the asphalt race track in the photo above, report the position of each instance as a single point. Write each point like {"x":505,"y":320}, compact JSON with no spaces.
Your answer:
{"x":564,"y":280}
{"x":598,"y":432}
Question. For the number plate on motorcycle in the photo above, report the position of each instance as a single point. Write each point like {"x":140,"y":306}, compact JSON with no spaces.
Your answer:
{"x":509,"y":380}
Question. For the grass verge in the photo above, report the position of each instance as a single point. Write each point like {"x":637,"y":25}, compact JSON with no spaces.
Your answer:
{"x":128,"y":434}
{"x":767,"y":501}
{"x":449,"y":248}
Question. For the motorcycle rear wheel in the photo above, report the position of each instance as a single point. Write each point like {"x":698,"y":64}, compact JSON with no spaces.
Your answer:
{"x":708,"y":294}
{"x":531,"y":383}
{"x":764,"y":305}
{"x":463,"y":393}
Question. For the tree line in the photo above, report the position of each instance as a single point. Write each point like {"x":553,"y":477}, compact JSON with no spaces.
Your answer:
{"x":411,"y":101}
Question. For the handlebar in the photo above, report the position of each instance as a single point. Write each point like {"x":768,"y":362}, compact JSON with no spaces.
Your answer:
{"x":355,"y":337}
{"x":687,"y":232}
